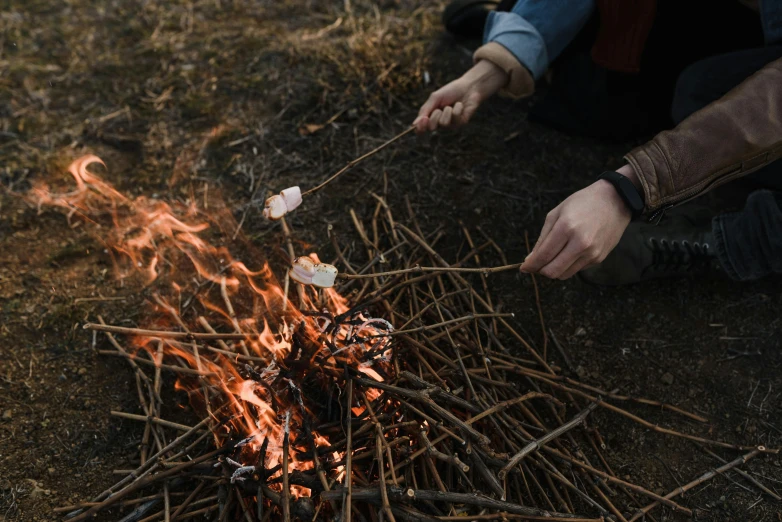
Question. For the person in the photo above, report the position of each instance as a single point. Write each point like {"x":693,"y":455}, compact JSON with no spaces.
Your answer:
{"x":615,"y":60}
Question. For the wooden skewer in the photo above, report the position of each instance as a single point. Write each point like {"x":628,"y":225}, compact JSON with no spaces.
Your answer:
{"x":421,"y":269}
{"x":358,"y":160}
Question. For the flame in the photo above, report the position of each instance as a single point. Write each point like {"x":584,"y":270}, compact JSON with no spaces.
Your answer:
{"x":258,"y":379}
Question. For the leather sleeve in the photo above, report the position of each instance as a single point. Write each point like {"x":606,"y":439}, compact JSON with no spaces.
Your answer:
{"x":730,"y":138}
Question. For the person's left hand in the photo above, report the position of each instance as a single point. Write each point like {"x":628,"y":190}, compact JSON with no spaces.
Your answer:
{"x":580,"y":232}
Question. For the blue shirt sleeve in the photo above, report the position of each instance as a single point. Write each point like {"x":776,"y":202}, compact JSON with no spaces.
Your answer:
{"x":537,"y":31}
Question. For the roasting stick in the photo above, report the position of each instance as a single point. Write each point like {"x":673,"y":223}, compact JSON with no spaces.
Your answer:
{"x":420,"y":269}
{"x":358,"y":160}
{"x":289,"y":199}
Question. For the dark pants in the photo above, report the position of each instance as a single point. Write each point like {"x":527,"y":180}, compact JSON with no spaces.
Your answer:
{"x":749,"y":241}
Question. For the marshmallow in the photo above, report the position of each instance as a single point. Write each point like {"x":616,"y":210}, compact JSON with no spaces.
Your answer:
{"x":280,"y":204}
{"x":308,"y":272}
{"x":303,"y":270}
{"x":292,"y":197}
{"x":275,"y":208}
{"x":325,"y":275}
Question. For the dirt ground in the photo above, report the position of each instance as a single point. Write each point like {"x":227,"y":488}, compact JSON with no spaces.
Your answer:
{"x":197,"y":97}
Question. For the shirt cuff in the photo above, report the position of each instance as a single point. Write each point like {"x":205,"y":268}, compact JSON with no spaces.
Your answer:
{"x":520,"y":83}
{"x":519,"y":37}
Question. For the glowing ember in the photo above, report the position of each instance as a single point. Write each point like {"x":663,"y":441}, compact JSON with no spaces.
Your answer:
{"x":291,"y":350}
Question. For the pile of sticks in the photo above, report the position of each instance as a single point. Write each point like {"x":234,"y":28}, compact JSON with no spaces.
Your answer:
{"x":445,"y":412}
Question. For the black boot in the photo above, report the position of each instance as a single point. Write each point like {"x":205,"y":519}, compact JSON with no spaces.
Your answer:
{"x":680,"y":245}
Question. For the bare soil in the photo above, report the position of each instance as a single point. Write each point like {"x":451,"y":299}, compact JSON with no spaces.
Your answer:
{"x":194,"y":98}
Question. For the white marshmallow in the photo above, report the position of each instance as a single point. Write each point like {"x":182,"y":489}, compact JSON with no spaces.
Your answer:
{"x":275,"y":208}
{"x":325,"y":275}
{"x":303,"y":270}
{"x":292,"y":197}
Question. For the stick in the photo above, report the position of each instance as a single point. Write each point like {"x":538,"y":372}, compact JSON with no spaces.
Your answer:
{"x":537,"y":302}
{"x":542,"y":441}
{"x":163,"y":334}
{"x":639,"y":420}
{"x":154,"y":420}
{"x":413,"y":495}
{"x":286,"y":488}
{"x":511,"y":516}
{"x":423,"y":269}
{"x":357,"y":161}
{"x":349,"y":455}
{"x":424,"y":328}
{"x":746,"y":475}
{"x":175,"y":369}
{"x":700,"y":480}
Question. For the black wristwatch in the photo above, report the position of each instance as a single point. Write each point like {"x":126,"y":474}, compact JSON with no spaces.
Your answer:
{"x":627,"y":191}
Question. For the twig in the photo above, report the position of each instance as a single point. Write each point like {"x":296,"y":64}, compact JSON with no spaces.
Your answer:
{"x":286,"y":488}
{"x":348,"y":492}
{"x":164,"y":334}
{"x":744,"y":474}
{"x":413,"y":495}
{"x":545,"y":439}
{"x":358,"y":160}
{"x":700,"y":480}
{"x":154,"y":420}
{"x":426,"y":269}
{"x":537,"y":302}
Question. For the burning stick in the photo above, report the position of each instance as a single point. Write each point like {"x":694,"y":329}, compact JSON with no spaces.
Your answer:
{"x":290,"y":198}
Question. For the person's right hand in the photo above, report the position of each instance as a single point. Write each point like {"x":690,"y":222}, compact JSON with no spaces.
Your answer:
{"x":455,"y":103}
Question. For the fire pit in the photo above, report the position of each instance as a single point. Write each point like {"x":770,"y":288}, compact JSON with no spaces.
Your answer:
{"x":399,"y":395}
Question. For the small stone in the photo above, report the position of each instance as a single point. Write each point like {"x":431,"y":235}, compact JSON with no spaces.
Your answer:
{"x":667,"y":378}
{"x":82,"y":371}
{"x":8,"y":415}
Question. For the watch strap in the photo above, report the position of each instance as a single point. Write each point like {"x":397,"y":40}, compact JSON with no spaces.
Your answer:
{"x":627,"y":191}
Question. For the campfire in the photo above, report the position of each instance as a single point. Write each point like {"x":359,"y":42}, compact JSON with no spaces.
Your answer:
{"x":403,"y":394}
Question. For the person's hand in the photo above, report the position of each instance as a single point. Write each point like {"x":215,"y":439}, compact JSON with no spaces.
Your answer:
{"x":581,"y":231}
{"x":455,"y":103}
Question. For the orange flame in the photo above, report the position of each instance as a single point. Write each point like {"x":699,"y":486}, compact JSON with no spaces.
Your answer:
{"x":260,"y":378}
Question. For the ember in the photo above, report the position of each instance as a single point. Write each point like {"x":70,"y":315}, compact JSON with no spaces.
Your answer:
{"x":312,"y":409}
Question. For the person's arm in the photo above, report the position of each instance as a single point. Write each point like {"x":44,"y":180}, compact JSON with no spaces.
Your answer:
{"x":581,"y":231}
{"x":518,"y":47}
{"x":729,"y":138}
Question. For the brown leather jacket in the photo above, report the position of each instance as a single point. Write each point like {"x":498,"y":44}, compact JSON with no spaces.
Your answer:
{"x":730,"y":138}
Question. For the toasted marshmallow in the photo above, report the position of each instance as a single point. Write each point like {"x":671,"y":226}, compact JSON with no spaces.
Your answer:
{"x":280,"y":204}
{"x":275,"y":208}
{"x":307,"y":272}
{"x":302,"y":270}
